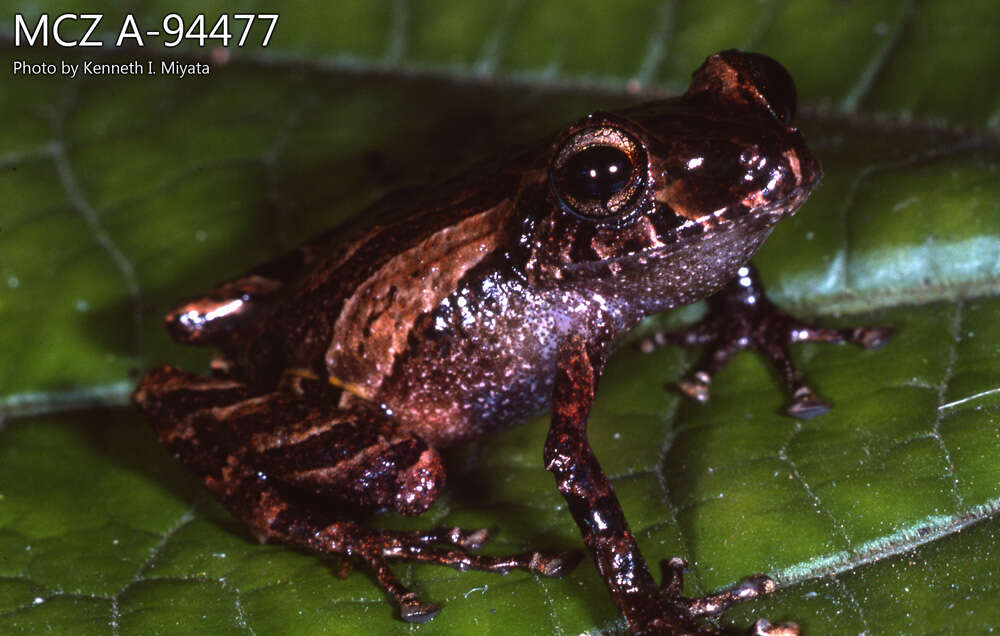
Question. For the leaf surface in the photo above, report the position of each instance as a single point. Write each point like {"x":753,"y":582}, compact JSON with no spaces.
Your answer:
{"x":123,"y":194}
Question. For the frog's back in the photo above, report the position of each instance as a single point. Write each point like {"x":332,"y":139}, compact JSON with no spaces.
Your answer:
{"x":349,"y":314}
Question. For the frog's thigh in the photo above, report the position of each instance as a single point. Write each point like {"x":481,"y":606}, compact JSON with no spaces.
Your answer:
{"x":355,"y":455}
{"x":237,"y":305}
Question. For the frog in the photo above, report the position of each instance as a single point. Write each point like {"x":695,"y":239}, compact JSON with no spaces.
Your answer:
{"x":345,"y":367}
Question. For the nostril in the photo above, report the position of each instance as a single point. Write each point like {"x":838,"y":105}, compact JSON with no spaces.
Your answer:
{"x":802,"y":165}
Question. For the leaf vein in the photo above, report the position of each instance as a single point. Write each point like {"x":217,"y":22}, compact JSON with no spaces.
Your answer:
{"x":836,"y":526}
{"x":656,"y":47}
{"x":80,"y":203}
{"x":871,"y":72}
{"x":949,"y":370}
{"x":398,"y":36}
{"x":491,"y":54}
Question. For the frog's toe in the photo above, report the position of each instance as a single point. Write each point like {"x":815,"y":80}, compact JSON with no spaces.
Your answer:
{"x":806,"y":405}
{"x":764,"y":627}
{"x":472,"y":539}
{"x":748,"y":589}
{"x":870,"y":337}
{"x":696,"y":386}
{"x":673,"y":576}
{"x":458,"y":537}
{"x":413,"y":610}
{"x":555,"y":564}
{"x":420,"y":546}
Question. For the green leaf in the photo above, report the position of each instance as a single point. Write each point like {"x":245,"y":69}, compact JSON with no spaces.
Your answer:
{"x":123,"y":194}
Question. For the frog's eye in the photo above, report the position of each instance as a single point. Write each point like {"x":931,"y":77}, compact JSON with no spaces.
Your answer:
{"x":599,"y":173}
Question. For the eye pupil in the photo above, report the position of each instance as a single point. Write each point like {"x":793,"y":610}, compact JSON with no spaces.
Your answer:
{"x":597,"y":173}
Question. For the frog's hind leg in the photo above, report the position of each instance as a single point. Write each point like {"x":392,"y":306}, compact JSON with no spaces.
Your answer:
{"x":281,"y":463}
{"x":742,"y":317}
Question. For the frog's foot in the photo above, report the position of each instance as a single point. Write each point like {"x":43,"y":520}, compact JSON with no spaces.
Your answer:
{"x":374,"y":548}
{"x":742,"y":317}
{"x":714,"y":605}
{"x":458,"y":537}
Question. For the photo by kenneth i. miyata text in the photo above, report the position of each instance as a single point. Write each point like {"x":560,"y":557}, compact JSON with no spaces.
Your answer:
{"x":173,"y":68}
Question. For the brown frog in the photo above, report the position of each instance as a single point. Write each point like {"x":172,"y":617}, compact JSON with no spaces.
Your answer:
{"x":349,"y":362}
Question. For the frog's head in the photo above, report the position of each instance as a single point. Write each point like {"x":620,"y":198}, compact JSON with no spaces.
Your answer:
{"x":717,"y":167}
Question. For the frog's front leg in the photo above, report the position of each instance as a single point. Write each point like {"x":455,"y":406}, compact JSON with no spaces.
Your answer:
{"x":646,"y":607}
{"x":741,"y":316}
{"x":300,"y":470}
